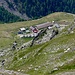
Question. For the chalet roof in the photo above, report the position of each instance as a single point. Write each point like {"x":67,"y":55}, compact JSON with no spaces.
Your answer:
{"x":22,"y":29}
{"x":44,"y":25}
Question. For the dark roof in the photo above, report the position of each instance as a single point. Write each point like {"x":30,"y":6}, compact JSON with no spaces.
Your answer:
{"x":44,"y":25}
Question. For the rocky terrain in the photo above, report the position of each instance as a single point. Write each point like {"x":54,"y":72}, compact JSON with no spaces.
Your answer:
{"x":13,"y":10}
{"x":50,"y":57}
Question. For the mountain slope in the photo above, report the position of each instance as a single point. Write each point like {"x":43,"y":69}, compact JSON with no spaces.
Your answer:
{"x":37,"y":8}
{"x":33,"y":9}
{"x":8,"y":31}
{"x":6,"y":17}
{"x":55,"y":56}
{"x":11,"y":7}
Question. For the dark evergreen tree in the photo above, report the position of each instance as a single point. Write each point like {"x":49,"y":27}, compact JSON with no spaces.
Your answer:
{"x":6,"y":17}
{"x":39,"y":8}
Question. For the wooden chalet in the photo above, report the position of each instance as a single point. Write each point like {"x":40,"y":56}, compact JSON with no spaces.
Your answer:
{"x":36,"y":28}
{"x":44,"y":25}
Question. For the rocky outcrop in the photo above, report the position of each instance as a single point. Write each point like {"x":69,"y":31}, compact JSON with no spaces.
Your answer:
{"x":13,"y":10}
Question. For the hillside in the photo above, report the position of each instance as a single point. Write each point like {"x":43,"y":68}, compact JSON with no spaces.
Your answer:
{"x":55,"y":57}
{"x":7,"y":17}
{"x":11,"y":7}
{"x":11,"y":28}
{"x":33,"y":9}
{"x":37,"y":8}
{"x":8,"y":31}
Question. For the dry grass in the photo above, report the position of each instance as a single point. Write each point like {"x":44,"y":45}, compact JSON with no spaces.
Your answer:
{"x":9,"y":30}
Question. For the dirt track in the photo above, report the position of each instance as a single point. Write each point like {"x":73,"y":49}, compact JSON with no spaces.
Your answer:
{"x":10,"y":72}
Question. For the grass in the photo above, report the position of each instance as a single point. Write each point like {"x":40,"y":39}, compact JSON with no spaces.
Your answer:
{"x":36,"y":57}
{"x":67,"y":67}
{"x":40,"y":59}
{"x":5,"y":42}
{"x":9,"y":30}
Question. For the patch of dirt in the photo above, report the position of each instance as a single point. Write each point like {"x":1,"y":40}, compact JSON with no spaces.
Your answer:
{"x":5,"y":34}
{"x":66,"y":73}
{"x":8,"y":72}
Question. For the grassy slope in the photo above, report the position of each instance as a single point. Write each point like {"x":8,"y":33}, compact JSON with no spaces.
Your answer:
{"x":8,"y":31}
{"x":42,"y":59}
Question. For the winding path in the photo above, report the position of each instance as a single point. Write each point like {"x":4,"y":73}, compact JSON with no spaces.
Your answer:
{"x":10,"y":72}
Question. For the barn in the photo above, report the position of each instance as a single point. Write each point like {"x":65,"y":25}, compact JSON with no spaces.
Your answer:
{"x":44,"y":25}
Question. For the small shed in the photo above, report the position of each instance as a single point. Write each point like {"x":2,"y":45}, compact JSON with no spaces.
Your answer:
{"x":21,"y":35}
{"x":27,"y":31}
{"x":22,"y":29}
{"x":49,"y":27}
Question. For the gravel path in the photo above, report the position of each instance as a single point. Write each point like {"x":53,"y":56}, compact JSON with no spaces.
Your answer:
{"x":10,"y":72}
{"x":66,"y":73}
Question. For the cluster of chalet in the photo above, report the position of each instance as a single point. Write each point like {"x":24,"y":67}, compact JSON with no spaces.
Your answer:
{"x":34,"y":30}
{"x":23,"y":30}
